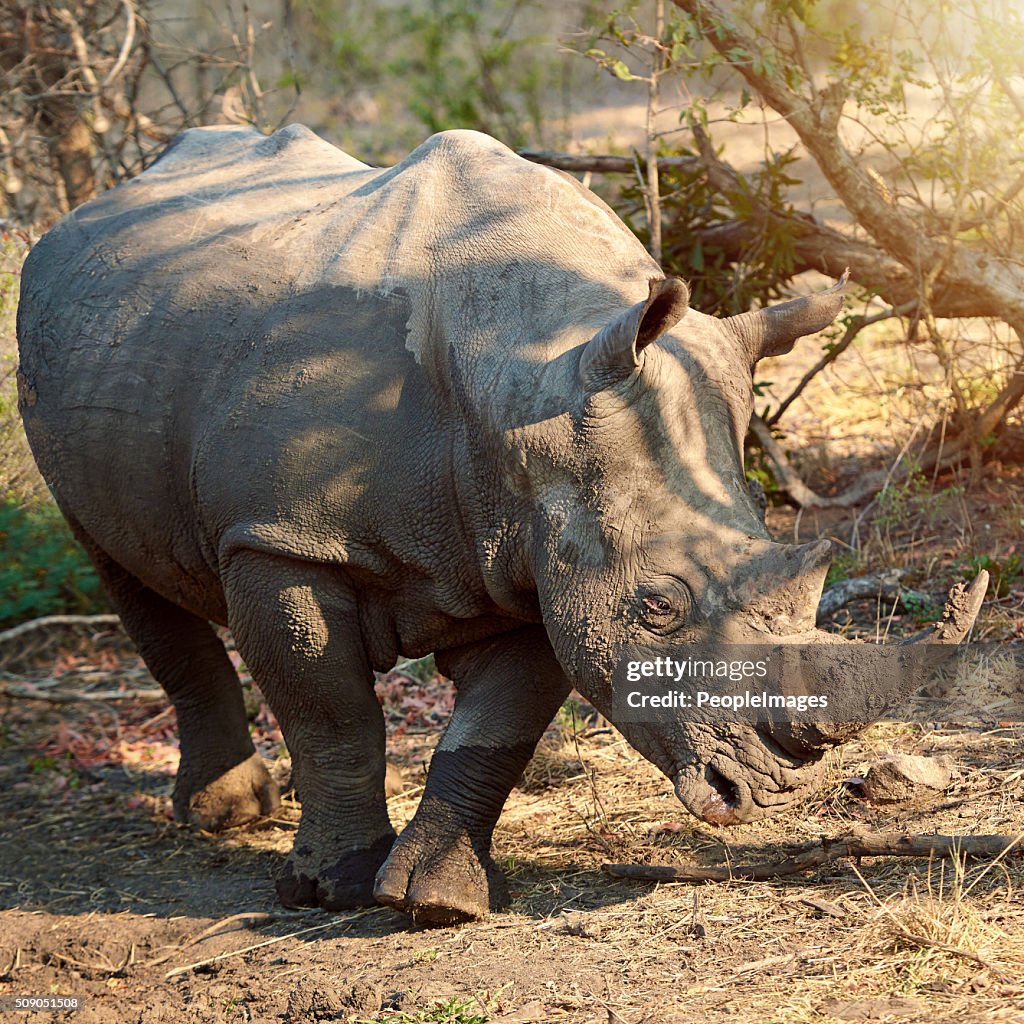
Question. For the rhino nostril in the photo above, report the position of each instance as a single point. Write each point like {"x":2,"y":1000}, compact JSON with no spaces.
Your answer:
{"x":720,"y":807}
{"x":725,"y":788}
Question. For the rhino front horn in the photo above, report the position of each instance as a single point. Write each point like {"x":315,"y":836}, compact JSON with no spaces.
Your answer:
{"x":614,"y":352}
{"x":774,"y":330}
{"x":958,"y":618}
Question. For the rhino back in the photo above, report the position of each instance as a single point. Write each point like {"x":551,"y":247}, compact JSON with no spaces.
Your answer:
{"x":259,"y":342}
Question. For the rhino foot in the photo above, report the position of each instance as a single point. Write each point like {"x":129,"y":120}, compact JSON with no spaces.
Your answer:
{"x":440,"y":875}
{"x":240,"y":794}
{"x":345,"y":883}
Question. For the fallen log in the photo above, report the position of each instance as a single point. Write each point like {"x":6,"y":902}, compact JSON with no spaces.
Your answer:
{"x":874,"y":585}
{"x":825,"y":851}
{"x":602,"y":163}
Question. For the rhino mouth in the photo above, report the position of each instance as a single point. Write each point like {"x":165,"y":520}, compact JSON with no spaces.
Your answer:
{"x":723,"y":792}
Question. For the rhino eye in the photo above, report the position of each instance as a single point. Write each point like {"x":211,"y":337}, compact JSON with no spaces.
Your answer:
{"x":658,"y":605}
{"x":663,"y":613}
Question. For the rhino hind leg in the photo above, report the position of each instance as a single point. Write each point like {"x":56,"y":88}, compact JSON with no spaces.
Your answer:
{"x":296,"y":626}
{"x":222,"y":782}
{"x":441,"y":871}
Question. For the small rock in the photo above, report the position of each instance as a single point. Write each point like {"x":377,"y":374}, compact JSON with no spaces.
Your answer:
{"x":906,"y":776}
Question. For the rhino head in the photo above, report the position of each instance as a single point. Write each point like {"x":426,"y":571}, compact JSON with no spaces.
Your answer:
{"x":645,"y":532}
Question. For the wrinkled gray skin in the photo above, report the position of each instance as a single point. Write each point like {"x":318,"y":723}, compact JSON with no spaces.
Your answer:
{"x":355,"y":414}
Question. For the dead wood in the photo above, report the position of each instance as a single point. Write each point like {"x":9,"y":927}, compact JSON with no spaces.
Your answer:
{"x":825,"y":851}
{"x":878,"y":584}
{"x":48,"y":621}
{"x":791,"y":483}
{"x":75,"y":696}
{"x":600,"y":163}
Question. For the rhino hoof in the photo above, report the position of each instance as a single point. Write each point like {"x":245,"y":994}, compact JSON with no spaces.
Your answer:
{"x":239,"y":795}
{"x":439,"y":879}
{"x":345,"y":884}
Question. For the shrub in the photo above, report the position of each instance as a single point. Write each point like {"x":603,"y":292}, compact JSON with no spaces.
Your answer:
{"x":43,"y":569}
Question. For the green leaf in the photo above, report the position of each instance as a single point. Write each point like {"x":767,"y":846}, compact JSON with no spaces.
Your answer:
{"x":697,"y":256}
{"x":620,"y":70}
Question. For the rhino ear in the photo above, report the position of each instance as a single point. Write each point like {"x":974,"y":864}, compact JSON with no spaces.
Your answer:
{"x":613,"y":353}
{"x":774,"y":330}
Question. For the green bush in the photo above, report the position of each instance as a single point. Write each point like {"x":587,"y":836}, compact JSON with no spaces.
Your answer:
{"x":43,"y":569}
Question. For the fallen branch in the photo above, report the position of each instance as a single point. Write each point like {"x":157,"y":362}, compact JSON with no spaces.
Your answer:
{"x":72,"y":696}
{"x":791,"y":483}
{"x":878,"y":584}
{"x":600,"y":163}
{"x":825,"y":851}
{"x":58,"y":620}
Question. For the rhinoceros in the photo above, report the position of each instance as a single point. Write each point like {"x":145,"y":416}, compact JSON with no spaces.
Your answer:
{"x":354,"y":414}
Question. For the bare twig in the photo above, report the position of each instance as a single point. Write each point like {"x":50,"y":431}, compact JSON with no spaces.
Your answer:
{"x":126,"y":44}
{"x":652,"y":187}
{"x":853,"y":328}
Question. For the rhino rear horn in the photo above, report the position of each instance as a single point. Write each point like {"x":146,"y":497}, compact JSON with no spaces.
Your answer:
{"x":774,"y":330}
{"x":613,"y":353}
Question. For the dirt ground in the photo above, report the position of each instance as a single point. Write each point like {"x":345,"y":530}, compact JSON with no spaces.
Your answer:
{"x":104,"y":897}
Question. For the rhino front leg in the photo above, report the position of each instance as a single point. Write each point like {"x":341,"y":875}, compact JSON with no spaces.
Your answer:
{"x":440,"y":870}
{"x":296,"y":626}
